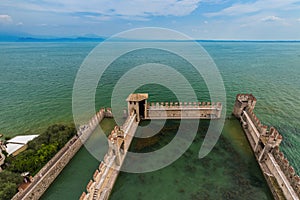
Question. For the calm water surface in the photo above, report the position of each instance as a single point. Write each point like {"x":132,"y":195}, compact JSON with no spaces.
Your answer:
{"x":36,"y":83}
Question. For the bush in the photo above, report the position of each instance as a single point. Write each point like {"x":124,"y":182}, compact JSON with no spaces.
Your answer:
{"x":41,"y":149}
{"x":9,"y":183}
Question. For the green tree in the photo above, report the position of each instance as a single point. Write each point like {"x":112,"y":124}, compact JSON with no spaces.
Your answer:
{"x":9,"y":183}
{"x":8,"y":190}
{"x":41,"y":149}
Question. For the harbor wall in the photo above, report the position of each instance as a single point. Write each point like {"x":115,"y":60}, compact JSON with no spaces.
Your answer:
{"x":107,"y":172}
{"x":120,"y":138}
{"x":185,"y":110}
{"x":265,"y":142}
{"x":43,"y":179}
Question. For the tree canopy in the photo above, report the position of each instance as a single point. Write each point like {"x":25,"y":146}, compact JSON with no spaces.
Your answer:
{"x":9,"y":182}
{"x":40,"y":150}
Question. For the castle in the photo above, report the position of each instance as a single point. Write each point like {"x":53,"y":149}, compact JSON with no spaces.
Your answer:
{"x":279,"y":174}
{"x":264,"y":141}
{"x":120,"y":138}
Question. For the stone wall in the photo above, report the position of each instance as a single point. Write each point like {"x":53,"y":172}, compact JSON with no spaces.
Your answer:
{"x":287,"y":169}
{"x":107,"y":172}
{"x":43,"y":179}
{"x":52,"y":169}
{"x":93,"y":123}
{"x":242,"y":101}
{"x":265,"y":144}
{"x":259,"y":126}
{"x":186,"y":110}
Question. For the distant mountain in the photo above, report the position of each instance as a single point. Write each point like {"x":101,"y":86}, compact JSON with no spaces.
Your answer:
{"x":6,"y":37}
{"x":77,"y":39}
{"x":21,"y":37}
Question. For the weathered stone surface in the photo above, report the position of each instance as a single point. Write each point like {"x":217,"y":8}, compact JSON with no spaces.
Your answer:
{"x":42,"y":180}
{"x":279,"y":175}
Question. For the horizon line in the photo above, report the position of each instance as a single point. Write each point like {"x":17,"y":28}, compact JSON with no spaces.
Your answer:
{"x":100,"y":39}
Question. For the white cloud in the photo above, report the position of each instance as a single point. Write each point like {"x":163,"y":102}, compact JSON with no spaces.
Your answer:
{"x":271,"y":19}
{"x":5,"y":19}
{"x":257,"y":6}
{"x":236,"y":9}
{"x":114,"y":8}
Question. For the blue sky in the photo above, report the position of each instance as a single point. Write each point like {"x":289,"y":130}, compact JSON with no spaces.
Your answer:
{"x":200,"y":19}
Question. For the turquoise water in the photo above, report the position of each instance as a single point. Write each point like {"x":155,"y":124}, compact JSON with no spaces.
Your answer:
{"x":228,"y":172}
{"x":36,"y":83}
{"x":73,"y":180}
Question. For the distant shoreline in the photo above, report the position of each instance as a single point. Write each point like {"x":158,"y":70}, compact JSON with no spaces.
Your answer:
{"x":100,"y":39}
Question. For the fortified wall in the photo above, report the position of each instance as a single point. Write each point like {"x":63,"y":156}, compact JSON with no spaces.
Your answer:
{"x":137,"y":103}
{"x":120,"y":138}
{"x":186,"y":110}
{"x":106,"y":175}
{"x":43,"y":179}
{"x":280,"y":176}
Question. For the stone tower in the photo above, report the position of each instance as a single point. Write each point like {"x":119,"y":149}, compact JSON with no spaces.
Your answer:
{"x":242,"y":102}
{"x":137,"y":104}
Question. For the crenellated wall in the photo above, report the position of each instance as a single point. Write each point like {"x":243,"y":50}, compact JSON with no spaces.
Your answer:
{"x":265,"y":144}
{"x":287,"y":169}
{"x":183,"y":110}
{"x":243,"y":101}
{"x":106,"y":174}
{"x":260,"y":127}
{"x":47,"y":175}
{"x":120,"y":138}
{"x":43,"y":179}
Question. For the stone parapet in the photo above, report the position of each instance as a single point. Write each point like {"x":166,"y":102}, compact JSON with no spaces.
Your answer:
{"x":183,"y":110}
{"x":43,"y":179}
{"x":107,"y":172}
{"x":287,"y":169}
{"x":265,"y":144}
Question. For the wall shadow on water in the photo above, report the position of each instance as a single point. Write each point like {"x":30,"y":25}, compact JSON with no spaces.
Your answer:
{"x":74,"y":178}
{"x":230,"y":171}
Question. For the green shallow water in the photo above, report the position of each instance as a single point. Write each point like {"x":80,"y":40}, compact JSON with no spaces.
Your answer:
{"x":73,"y":180}
{"x":75,"y":176}
{"x":228,"y":172}
{"x":36,"y":83}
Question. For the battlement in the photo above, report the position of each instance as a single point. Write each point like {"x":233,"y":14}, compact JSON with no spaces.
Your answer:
{"x":83,"y":196}
{"x":242,"y":102}
{"x":137,"y":104}
{"x":260,"y":127}
{"x":181,"y":105}
{"x":274,"y":136}
{"x":183,"y":110}
{"x":89,"y":185}
{"x":115,"y":134}
{"x":265,"y":144}
{"x":106,"y":174}
{"x":245,"y":97}
{"x":120,"y":137}
{"x":287,"y":169}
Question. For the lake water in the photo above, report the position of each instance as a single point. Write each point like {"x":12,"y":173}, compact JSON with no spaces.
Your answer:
{"x":36,"y":82}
